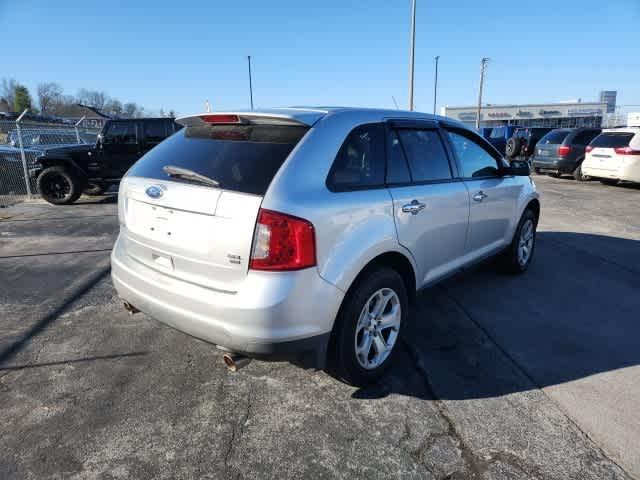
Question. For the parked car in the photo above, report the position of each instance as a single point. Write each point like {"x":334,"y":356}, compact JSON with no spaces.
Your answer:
{"x":500,"y":135}
{"x":614,"y":155}
{"x":485,"y":132}
{"x":64,"y":173}
{"x":283,"y":232}
{"x":561,"y":151}
{"x":523,"y":142}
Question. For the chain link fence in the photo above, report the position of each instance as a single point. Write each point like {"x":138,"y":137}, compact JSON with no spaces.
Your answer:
{"x":21,"y":142}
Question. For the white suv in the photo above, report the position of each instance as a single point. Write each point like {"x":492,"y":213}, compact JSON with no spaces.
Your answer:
{"x":614,"y":155}
{"x":285,"y":232}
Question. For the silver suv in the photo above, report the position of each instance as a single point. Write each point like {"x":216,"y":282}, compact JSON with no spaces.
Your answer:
{"x":306,"y":232}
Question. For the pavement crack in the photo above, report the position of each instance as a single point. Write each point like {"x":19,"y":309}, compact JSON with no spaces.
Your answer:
{"x":525,"y":374}
{"x":237,"y":432}
{"x":475,"y":466}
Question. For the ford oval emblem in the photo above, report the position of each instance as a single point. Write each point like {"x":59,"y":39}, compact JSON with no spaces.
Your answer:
{"x":154,"y":191}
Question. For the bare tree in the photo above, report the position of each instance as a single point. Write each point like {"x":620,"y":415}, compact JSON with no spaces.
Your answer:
{"x":9,"y":90}
{"x":49,"y":95}
{"x":130,"y":109}
{"x":93,"y":98}
{"x":114,"y":108}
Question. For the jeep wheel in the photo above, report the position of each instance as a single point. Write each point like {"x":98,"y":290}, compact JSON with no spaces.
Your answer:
{"x":513,"y":147}
{"x":59,"y":186}
{"x":367,"y":330}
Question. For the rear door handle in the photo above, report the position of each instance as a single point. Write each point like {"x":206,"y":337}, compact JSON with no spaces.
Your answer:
{"x":480,"y":196}
{"x":414,"y":207}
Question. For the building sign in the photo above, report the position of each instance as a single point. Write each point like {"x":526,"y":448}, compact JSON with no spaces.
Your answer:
{"x":550,"y":112}
{"x":499,"y":114}
{"x":584,"y":112}
{"x":467,"y":116}
{"x":523,"y":113}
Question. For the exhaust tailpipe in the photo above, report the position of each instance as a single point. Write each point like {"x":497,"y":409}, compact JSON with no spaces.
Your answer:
{"x":130,"y":308}
{"x":235,"y":362}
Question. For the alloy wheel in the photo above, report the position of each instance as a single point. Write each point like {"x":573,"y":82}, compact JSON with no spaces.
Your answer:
{"x":525,"y":243}
{"x":377,"y":329}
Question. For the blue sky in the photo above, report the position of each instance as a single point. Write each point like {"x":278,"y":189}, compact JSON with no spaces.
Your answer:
{"x":177,"y":54}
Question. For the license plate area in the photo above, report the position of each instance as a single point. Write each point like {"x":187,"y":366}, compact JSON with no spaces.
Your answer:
{"x":161,"y":225}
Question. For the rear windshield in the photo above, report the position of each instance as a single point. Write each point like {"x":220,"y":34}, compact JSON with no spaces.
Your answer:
{"x":612,"y":140}
{"x":243,"y":158}
{"x":555,"y":137}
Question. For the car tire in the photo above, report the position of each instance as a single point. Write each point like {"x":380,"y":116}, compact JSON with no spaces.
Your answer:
{"x":538,"y":171}
{"x":360,"y":350}
{"x":577,"y":174}
{"x":513,"y":260}
{"x":59,"y":186}
{"x":513,"y":147}
{"x":609,"y":181}
{"x":94,"y":189}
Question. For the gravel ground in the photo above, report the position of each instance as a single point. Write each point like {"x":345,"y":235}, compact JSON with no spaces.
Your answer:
{"x":501,"y":377}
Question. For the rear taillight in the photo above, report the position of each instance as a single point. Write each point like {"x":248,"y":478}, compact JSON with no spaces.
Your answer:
{"x":282,"y":242}
{"x":564,"y":150}
{"x":588,"y":149}
{"x":626,"y":151}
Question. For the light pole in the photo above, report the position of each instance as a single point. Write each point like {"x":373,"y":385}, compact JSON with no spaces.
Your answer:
{"x":412,"y":49}
{"x":435,"y":85}
{"x":483,"y":67}
{"x":250,"y":82}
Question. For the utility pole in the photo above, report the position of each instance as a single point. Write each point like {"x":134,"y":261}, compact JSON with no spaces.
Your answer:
{"x":250,"y":82}
{"x":412,"y":50}
{"x":435,"y":86}
{"x":483,"y":68}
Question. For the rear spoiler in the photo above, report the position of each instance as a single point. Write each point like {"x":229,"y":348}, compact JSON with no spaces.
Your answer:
{"x":246,"y":118}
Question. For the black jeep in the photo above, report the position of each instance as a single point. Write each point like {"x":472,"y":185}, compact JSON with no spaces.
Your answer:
{"x":523,"y":142}
{"x":64,"y":173}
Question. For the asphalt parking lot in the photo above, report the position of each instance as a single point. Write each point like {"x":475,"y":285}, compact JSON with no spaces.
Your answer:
{"x":536,"y":376}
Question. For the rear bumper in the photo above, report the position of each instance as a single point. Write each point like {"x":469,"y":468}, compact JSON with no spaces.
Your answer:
{"x":274,"y":314}
{"x":628,"y":170}
{"x":555,"y":164}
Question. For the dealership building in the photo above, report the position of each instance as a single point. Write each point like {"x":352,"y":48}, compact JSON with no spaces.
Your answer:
{"x":555,"y":115}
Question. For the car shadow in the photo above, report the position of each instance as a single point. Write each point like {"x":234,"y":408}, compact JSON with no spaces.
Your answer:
{"x":97,"y":200}
{"x":483,"y":334}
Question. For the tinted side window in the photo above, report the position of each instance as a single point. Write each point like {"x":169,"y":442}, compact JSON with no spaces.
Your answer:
{"x":155,"y":131}
{"x":583,"y":138}
{"x":425,"y":154}
{"x":121,"y":132}
{"x":360,"y":161}
{"x":475,"y":160}
{"x":397,"y":168}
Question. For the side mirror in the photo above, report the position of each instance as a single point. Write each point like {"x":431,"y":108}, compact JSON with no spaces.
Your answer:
{"x":518,"y":169}
{"x":99,"y":140}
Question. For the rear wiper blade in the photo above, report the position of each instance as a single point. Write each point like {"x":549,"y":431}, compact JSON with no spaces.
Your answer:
{"x":189,"y":175}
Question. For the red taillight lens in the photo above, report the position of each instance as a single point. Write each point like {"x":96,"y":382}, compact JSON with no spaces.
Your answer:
{"x":626,"y":151}
{"x":220,"y":118}
{"x":282,"y":242}
{"x":588,"y":149}
{"x":564,"y":150}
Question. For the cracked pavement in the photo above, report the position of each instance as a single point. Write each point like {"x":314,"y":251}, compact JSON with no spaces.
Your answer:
{"x":499,"y":377}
